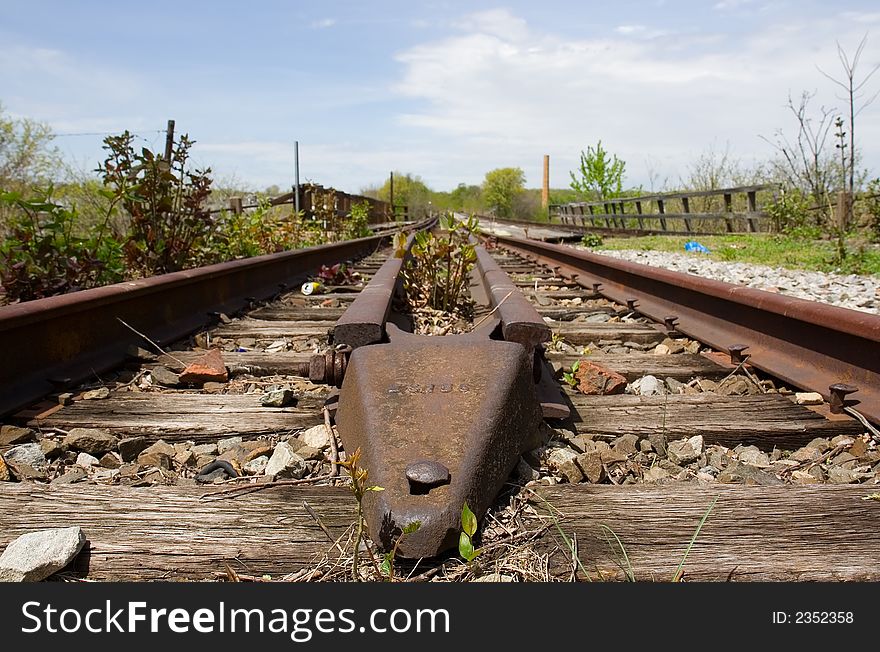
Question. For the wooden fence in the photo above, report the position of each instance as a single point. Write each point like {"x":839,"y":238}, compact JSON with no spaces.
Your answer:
{"x":728,"y":210}
{"x":313,"y":199}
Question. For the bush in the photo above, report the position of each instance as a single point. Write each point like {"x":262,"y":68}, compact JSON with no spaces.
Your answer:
{"x":41,"y":256}
{"x":591,"y":240}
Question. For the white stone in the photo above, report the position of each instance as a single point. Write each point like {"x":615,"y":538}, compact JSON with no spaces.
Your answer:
{"x":225,"y":444}
{"x":30,"y":454}
{"x":36,"y":555}
{"x":285,"y":463}
{"x":808,"y":398}
{"x":85,"y":460}
{"x":316,"y":437}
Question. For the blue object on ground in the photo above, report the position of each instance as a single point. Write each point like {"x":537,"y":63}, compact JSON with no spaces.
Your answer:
{"x":693,"y":245}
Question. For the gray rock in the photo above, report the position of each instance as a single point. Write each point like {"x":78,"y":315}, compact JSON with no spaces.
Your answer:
{"x":28,"y":454}
{"x":256,"y":466}
{"x":659,"y":442}
{"x":278,"y":398}
{"x":159,"y":455}
{"x":96,"y":394}
{"x":204,"y":449}
{"x":656,"y":474}
{"x":754,"y":456}
{"x":738,"y":473}
{"x":90,"y":440}
{"x":131,"y":447}
{"x":12,"y":435}
{"x":285,"y":463}
{"x":626,"y":444}
{"x":51,"y":448}
{"x":316,"y":437}
{"x":86,"y":461}
{"x":225,"y":444}
{"x":685,"y":451}
{"x":37,"y":555}
{"x":674,"y":385}
{"x":165,"y":376}
{"x":75,"y":474}
{"x":840,"y":475}
{"x":590,"y":463}
{"x":649,"y":386}
{"x":673,"y":345}
{"x":524,"y":472}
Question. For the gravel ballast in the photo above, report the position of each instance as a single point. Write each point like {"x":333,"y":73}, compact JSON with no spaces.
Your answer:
{"x":847,"y":291}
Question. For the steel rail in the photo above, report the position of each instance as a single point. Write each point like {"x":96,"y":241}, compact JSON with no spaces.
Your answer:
{"x":58,"y":341}
{"x":811,"y":345}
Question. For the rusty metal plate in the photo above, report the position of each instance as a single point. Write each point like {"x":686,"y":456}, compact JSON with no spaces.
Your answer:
{"x":419,"y":405}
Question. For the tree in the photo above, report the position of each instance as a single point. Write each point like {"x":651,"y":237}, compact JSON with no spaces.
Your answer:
{"x":599,"y":177}
{"x":501,"y":188}
{"x":852,"y":95}
{"x":806,"y":163}
{"x":409,"y":191}
{"x":25,"y":153}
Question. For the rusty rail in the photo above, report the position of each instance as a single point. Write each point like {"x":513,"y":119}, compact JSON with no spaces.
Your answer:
{"x":58,"y":341}
{"x":811,"y":345}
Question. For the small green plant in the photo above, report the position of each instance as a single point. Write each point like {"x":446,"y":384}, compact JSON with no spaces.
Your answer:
{"x":163,"y":199}
{"x":468,"y":530}
{"x":679,"y":572}
{"x":357,"y":225}
{"x":569,"y":376}
{"x":437,"y":274}
{"x":360,"y":489}
{"x":591,"y":240}
{"x":387,"y":566}
{"x":556,"y":341}
{"x":41,"y":255}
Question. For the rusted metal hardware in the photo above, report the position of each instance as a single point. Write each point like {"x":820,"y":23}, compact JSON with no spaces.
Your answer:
{"x":838,"y":400}
{"x":364,"y":321}
{"x":440,"y":421}
{"x":75,"y":336}
{"x":808,"y":344}
{"x":325,"y":368}
{"x":520,"y":322}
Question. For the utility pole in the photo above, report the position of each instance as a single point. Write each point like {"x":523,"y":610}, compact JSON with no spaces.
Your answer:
{"x":169,"y":141}
{"x":391,"y":195}
{"x":296,"y":176}
{"x":545,"y":188}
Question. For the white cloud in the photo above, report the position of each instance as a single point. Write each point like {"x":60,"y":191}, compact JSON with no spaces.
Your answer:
{"x":324,"y":23}
{"x":505,"y":93}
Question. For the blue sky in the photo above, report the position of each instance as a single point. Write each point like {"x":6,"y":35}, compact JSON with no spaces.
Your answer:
{"x":445,"y":90}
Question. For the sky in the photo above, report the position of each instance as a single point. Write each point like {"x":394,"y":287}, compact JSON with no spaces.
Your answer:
{"x":443,"y":90}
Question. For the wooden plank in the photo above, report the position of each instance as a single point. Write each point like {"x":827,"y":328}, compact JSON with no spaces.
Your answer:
{"x":681,"y":366}
{"x":272,"y":329}
{"x":169,"y":533}
{"x":574,"y":293}
{"x":568,"y":313}
{"x":584,"y":333}
{"x":765,"y":420}
{"x":183,"y":416}
{"x":753,"y":533}
{"x":294,"y":313}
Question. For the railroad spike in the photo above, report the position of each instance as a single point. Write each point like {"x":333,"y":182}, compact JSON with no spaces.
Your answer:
{"x":838,"y":393}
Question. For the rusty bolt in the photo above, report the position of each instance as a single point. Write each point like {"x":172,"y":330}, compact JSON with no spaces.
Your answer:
{"x":736,"y":353}
{"x":838,"y":399}
{"x":425,"y":474}
{"x":328,"y":368}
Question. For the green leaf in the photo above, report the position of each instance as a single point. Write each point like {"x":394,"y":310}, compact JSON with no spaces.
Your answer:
{"x":468,"y":521}
{"x":412,"y":527}
{"x":465,"y":547}
{"x":385,"y":566}
{"x":375,"y":488}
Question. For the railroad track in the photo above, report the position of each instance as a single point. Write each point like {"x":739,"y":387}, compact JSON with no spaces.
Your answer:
{"x":619,"y":482}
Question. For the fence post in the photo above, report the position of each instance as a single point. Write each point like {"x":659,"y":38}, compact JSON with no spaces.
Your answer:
{"x":686,"y":208}
{"x":169,"y":141}
{"x":235,"y":205}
